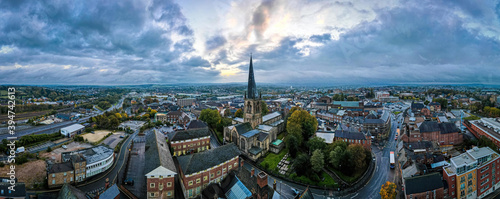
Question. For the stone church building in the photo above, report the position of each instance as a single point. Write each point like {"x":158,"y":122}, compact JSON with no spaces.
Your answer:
{"x":255,"y":134}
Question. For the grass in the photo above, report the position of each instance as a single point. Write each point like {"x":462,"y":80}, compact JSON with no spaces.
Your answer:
{"x":219,"y":136}
{"x":325,"y":180}
{"x":346,"y":178}
{"x":281,"y":135}
{"x":397,"y":112}
{"x":271,"y":160}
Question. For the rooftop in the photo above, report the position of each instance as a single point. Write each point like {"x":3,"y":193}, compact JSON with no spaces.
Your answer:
{"x":270,"y":116}
{"x":251,"y":133}
{"x":424,"y":183}
{"x":74,"y":127}
{"x":207,"y":159}
{"x":346,"y":103}
{"x":157,"y":153}
{"x":190,"y":134}
{"x":60,"y":167}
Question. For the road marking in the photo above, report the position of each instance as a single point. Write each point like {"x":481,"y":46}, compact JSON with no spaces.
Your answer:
{"x":355,"y":195}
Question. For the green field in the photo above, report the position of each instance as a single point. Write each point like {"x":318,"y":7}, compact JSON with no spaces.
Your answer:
{"x":271,"y":160}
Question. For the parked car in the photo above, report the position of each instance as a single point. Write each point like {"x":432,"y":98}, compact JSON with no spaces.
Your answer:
{"x":129,"y":181}
{"x":64,"y":147}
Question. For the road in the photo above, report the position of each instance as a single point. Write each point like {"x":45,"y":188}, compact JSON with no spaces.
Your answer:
{"x":52,"y":128}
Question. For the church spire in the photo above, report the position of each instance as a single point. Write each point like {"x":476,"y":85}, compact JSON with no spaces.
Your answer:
{"x":252,"y":88}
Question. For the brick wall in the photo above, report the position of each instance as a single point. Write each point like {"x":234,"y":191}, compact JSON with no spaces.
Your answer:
{"x":157,"y":187}
{"x":439,"y":193}
{"x":191,"y":146}
{"x":59,"y":178}
{"x":451,"y":181}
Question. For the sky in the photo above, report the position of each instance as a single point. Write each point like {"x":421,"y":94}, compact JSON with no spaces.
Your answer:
{"x":109,"y":42}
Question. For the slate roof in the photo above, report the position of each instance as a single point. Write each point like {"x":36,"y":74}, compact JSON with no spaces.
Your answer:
{"x":350,"y":135}
{"x":190,"y":134}
{"x":20,"y":189}
{"x":423,"y":183}
{"x":269,"y":116}
{"x":346,"y":103}
{"x":251,"y":133}
{"x":61,"y":167}
{"x":443,"y":128}
{"x":244,"y":175}
{"x":373,"y":121}
{"x":157,"y":152}
{"x":434,"y":103}
{"x":196,"y":124}
{"x":243,"y":127}
{"x":262,"y":136}
{"x":70,"y":192}
{"x":204,"y":160}
{"x":111,"y":192}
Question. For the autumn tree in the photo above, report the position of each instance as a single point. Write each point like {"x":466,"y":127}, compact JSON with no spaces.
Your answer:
{"x":317,"y":160}
{"x":388,"y":190}
{"x":239,"y":113}
{"x":303,"y":122}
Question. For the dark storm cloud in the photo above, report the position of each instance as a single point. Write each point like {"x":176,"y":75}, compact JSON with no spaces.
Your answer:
{"x":417,"y":42}
{"x":101,"y":40}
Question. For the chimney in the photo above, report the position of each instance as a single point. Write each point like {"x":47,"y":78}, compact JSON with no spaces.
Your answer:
{"x":252,"y":173}
{"x":274,"y":185}
{"x":262,"y":179}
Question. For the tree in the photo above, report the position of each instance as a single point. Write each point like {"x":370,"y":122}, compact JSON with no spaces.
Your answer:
{"x":211,"y":117}
{"x":337,"y":156}
{"x":426,"y":102}
{"x":316,"y":143}
{"x":49,"y":149}
{"x":124,"y":115}
{"x":357,"y":156}
{"x":442,"y":101}
{"x":388,"y":190}
{"x":239,"y":113}
{"x":301,"y":164}
{"x":118,"y":115}
{"x":263,"y":108}
{"x":153,"y":112}
{"x":227,"y":112}
{"x":302,"y":121}
{"x":293,"y":144}
{"x":317,"y":160}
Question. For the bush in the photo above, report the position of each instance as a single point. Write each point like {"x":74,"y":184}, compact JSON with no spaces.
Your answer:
{"x":21,"y":159}
{"x":49,"y":149}
{"x":2,"y":164}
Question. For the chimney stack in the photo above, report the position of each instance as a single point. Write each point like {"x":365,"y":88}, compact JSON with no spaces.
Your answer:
{"x":252,"y":173}
{"x":274,"y":185}
{"x":106,"y":184}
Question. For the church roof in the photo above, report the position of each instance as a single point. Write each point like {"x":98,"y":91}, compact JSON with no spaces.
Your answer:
{"x":243,"y":128}
{"x":252,"y":88}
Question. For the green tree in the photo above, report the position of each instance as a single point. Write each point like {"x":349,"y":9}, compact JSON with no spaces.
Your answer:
{"x":357,"y":156}
{"x":426,"y":102}
{"x":293,"y":144}
{"x":211,"y":117}
{"x":316,"y":143}
{"x":337,"y":156}
{"x":317,"y":160}
{"x":263,"y":108}
{"x":49,"y":149}
{"x":388,"y":190}
{"x":301,"y":164}
{"x":239,"y":113}
{"x":227,"y":112}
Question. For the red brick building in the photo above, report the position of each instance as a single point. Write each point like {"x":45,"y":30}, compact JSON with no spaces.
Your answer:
{"x":190,"y":141}
{"x":160,"y":168}
{"x":198,"y":170}
{"x":353,"y":137}
{"x":445,"y":133}
{"x":473,"y":174}
{"x":488,"y":127}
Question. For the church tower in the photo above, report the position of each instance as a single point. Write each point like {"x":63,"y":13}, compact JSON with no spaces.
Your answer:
{"x":252,"y":112}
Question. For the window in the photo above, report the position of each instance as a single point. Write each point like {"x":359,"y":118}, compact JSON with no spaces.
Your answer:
{"x":470,"y":176}
{"x":218,"y":172}
{"x":169,"y":193}
{"x":169,"y":184}
{"x":452,"y":186}
{"x":184,"y":146}
{"x":469,"y":183}
{"x":205,"y":178}
{"x":53,"y":175}
{"x":211,"y":175}
{"x":160,"y":185}
{"x":53,"y":181}
{"x":462,"y":179}
{"x":152,"y":194}
{"x":64,"y":173}
{"x":152,"y":185}
{"x":161,"y":177}
{"x":224,"y":170}
{"x":71,"y":179}
{"x":64,"y":180}
{"x":190,"y":183}
{"x":229,"y":167}
{"x":198,"y":180}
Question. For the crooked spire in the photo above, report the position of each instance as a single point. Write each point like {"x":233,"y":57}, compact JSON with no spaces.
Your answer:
{"x":252,"y":88}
